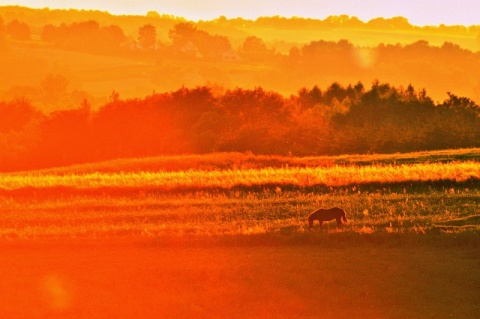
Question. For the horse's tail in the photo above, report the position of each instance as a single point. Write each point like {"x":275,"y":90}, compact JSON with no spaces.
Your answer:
{"x":344,"y":217}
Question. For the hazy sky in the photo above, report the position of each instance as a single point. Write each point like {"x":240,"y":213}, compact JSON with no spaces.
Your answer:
{"x":419,"y":12}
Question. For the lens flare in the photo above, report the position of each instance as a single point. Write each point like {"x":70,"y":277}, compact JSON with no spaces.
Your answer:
{"x":56,"y":292}
{"x":365,"y":57}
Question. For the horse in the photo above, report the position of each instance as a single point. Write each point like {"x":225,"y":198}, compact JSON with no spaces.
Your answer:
{"x":323,"y":215}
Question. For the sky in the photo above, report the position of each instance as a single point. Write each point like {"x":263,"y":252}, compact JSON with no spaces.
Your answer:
{"x":418,"y":12}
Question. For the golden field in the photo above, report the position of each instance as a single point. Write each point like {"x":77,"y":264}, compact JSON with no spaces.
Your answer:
{"x":411,"y":193}
{"x":295,"y":176}
{"x":226,"y":235}
{"x":155,"y":167}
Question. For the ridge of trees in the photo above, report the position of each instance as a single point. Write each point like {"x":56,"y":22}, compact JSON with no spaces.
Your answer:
{"x":173,"y":52}
{"x":39,"y":16}
{"x":22,"y":22}
{"x":336,"y":120}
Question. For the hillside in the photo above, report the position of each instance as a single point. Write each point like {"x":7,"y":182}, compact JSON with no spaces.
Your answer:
{"x":276,"y":53}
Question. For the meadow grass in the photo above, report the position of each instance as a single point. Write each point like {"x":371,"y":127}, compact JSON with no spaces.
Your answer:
{"x":268,"y":214}
{"x":289,"y":176}
{"x":234,"y":241}
{"x":418,"y":197}
{"x":247,"y":160}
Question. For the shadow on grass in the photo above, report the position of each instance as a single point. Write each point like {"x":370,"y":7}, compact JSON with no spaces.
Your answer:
{"x":333,"y":239}
{"x":459,"y":225}
{"x":410,"y":187}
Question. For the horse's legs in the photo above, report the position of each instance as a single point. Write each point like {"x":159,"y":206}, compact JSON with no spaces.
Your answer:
{"x":339,"y":222}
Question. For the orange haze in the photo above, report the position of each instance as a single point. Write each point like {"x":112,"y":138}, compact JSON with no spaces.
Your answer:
{"x":81,"y":86}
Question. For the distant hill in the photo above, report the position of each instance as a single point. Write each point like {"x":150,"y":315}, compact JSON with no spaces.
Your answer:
{"x":276,"y":53}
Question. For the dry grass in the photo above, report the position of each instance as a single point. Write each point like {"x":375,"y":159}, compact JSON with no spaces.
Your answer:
{"x":290,"y":176}
{"x":233,"y":161}
{"x":234,"y":242}
{"x":270,"y":215}
{"x":380,"y":198}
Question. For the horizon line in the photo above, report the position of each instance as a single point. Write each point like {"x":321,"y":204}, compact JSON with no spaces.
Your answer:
{"x":151,"y":13}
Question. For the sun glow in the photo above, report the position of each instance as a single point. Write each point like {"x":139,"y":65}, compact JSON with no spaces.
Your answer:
{"x":365,"y":57}
{"x":159,"y":158}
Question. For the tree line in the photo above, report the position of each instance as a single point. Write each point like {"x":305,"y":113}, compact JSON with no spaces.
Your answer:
{"x":190,"y":49}
{"x":335,"y":120}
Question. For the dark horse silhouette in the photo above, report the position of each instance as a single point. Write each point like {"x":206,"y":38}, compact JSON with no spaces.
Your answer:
{"x":323,"y":215}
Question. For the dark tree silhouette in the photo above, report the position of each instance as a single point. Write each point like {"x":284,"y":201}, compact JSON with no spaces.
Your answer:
{"x":254,"y":48}
{"x":190,"y":41}
{"x":147,"y":36}
{"x":18,"y":30}
{"x":87,"y":36}
{"x":182,"y":33}
{"x":338,"y":119}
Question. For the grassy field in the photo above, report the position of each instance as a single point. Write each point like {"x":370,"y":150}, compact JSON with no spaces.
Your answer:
{"x":241,"y":194}
{"x":269,"y":212}
{"x":225,"y":235}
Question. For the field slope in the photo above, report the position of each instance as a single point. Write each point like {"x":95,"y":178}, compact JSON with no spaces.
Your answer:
{"x":225,"y":235}
{"x":239,"y":194}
